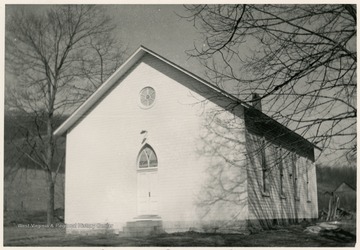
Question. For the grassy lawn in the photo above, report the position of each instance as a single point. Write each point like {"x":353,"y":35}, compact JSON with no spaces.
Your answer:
{"x":291,"y":236}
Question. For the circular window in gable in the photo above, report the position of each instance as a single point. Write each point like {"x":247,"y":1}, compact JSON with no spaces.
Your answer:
{"x":147,"y":97}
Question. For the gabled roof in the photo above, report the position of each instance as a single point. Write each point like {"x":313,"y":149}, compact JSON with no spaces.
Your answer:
{"x":131,"y":61}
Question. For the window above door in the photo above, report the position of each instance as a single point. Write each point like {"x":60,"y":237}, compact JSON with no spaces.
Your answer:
{"x":147,"y":158}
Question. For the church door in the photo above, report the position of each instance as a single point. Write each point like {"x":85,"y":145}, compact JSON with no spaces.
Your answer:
{"x":147,"y":192}
{"x":147,"y":182}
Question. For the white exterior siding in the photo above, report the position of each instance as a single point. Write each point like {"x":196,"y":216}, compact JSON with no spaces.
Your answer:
{"x":208,"y":177}
{"x":294,"y":203}
{"x":101,"y":174}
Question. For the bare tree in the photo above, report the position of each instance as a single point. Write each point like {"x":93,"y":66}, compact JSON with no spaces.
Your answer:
{"x":301,"y":59}
{"x":55,"y":58}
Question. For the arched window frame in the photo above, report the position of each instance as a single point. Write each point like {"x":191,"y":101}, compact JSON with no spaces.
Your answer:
{"x":143,"y":149}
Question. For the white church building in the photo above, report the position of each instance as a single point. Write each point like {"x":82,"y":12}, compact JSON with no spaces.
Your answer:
{"x":156,"y":148}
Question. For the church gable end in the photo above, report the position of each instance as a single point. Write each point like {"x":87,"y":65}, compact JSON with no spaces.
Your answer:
{"x":156,"y":142}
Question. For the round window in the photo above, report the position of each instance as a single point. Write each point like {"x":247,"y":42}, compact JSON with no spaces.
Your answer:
{"x":147,"y":96}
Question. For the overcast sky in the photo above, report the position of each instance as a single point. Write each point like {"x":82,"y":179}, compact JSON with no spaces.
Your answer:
{"x":157,"y":27}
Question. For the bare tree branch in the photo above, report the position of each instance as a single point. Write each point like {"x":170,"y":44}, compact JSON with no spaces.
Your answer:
{"x":54,"y":61}
{"x":301,"y":59}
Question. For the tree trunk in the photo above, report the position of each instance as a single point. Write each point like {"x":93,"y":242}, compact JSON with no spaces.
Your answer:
{"x":49,"y":157}
{"x":51,"y":198}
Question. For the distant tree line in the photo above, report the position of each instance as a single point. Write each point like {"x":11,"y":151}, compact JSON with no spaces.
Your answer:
{"x":16,"y":134}
{"x":18,"y":124}
{"x":332,"y":176}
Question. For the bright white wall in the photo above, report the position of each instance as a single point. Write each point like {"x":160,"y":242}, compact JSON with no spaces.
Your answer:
{"x":102,"y":150}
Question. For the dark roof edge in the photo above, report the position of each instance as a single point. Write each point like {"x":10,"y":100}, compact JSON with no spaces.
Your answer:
{"x":293,"y":133}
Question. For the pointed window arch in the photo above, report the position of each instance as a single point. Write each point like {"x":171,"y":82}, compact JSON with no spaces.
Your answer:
{"x":147,"y":158}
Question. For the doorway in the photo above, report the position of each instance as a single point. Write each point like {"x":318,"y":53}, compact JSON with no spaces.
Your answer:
{"x":147,"y":182}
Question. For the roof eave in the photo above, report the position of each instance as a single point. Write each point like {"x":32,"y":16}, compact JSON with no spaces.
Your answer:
{"x":286,"y":128}
{"x":82,"y":110}
{"x":93,"y":98}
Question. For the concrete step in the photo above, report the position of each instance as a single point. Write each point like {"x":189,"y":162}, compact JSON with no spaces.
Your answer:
{"x":144,"y":223}
{"x":141,"y":228}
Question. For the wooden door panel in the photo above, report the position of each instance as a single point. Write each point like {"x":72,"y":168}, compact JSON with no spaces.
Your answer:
{"x":147,"y":193}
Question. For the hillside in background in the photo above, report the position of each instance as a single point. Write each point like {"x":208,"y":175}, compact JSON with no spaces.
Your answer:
{"x":19,"y":125}
{"x":25,"y":188}
{"x":329,"y":178}
{"x":18,"y":129}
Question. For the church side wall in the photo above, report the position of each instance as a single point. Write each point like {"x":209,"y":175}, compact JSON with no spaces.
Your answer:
{"x":294,"y":199}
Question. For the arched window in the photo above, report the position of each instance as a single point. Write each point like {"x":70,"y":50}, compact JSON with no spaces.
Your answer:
{"x":147,"y":158}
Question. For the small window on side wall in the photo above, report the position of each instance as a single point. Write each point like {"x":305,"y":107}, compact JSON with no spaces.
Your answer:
{"x":295,"y":174}
{"x":265,"y":169}
{"x":147,"y":158}
{"x":308,"y":195}
{"x":279,"y":157}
